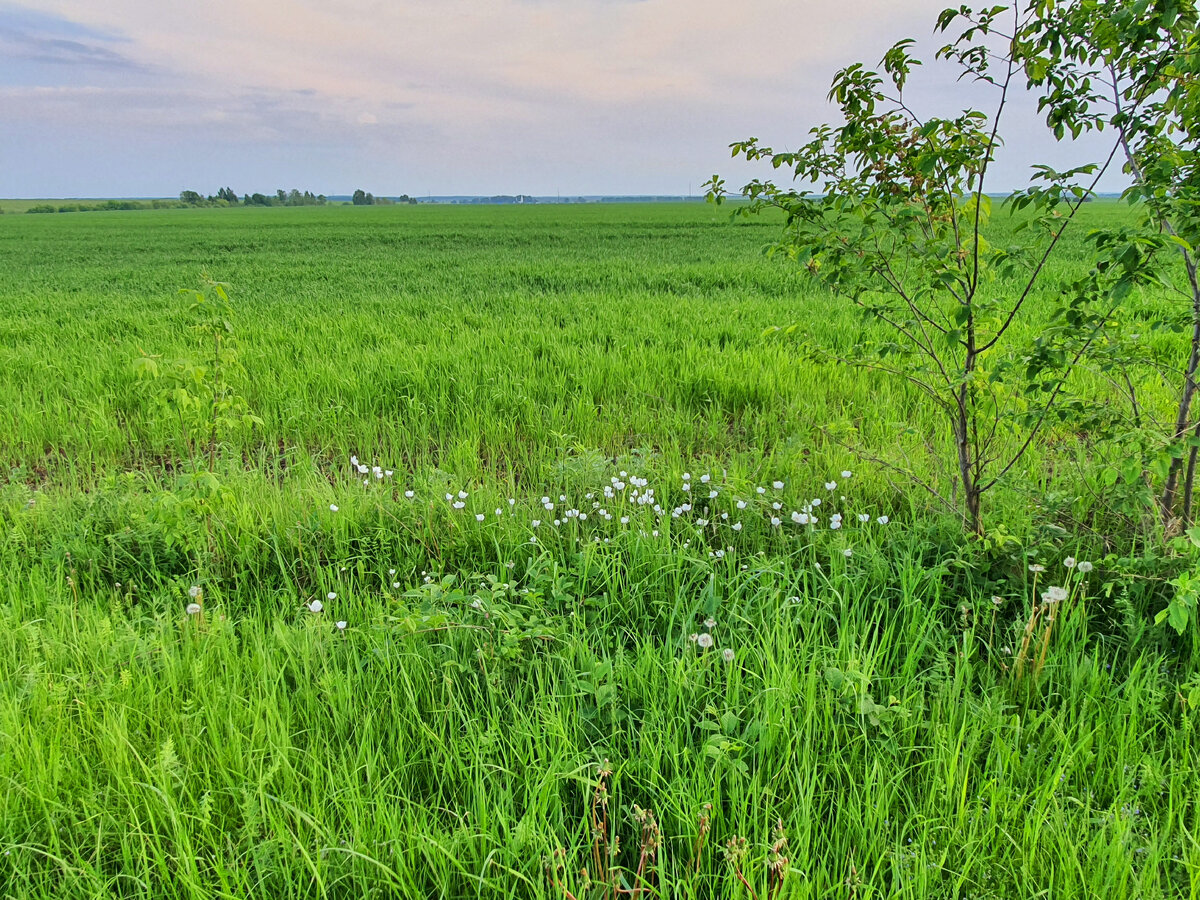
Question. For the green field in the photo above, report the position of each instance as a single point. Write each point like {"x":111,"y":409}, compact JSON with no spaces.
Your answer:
{"x":436,"y":726}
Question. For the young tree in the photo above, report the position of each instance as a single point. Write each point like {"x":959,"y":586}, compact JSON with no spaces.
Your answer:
{"x":1133,"y":69}
{"x":892,"y":214}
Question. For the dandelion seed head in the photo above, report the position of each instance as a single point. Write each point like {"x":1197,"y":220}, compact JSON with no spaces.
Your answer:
{"x":704,"y":641}
{"x":193,"y":609}
{"x":1085,"y":567}
{"x":728,"y":655}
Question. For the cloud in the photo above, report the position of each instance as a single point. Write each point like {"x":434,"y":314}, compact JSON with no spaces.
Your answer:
{"x":40,"y":37}
{"x":582,"y":95}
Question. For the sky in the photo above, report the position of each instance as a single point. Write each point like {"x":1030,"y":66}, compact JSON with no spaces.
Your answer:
{"x":145,"y":98}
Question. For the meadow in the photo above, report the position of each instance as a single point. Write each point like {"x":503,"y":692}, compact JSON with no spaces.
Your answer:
{"x":541,"y":572}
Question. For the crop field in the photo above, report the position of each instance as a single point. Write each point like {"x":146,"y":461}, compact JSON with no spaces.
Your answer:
{"x":520,"y":562}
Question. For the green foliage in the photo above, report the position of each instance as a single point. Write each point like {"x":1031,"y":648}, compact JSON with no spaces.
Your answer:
{"x":200,"y":393}
{"x":893,"y":215}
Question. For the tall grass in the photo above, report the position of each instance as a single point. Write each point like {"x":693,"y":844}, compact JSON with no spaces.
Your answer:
{"x":448,"y":736}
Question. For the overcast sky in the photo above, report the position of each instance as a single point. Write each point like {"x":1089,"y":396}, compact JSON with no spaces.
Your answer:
{"x":147,"y":97}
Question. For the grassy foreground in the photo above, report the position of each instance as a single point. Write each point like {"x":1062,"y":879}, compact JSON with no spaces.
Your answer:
{"x":377,"y":694}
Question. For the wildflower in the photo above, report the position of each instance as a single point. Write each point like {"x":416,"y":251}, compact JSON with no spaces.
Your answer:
{"x":846,"y":473}
{"x":775,"y":520}
{"x":478,"y":517}
{"x":835,"y":522}
{"x":882,"y":520}
{"x":332,"y":507}
{"x":341,"y":624}
{"x":331,"y":596}
{"x":354,"y":461}
{"x":389,"y":473}
{"x":476,"y":603}
{"x":816,"y":501}
{"x":536,"y":523}
{"x":1069,"y":562}
{"x":830,"y":485}
{"x":449,"y":496}
{"x":710,"y":622}
{"x":512,"y":501}
{"x":194,"y":591}
{"x":686,"y":486}
{"x":847,"y":553}
{"x":458,"y":504}
{"x":704,"y":641}
{"x":624,"y":520}
{"x":712,"y":495}
{"x":693,"y":637}
{"x":741,"y":504}
{"x":362,"y":469}
{"x":705,"y":479}
{"x":1085,"y":567}
{"x":193,"y":608}
{"x":778,"y":485}
{"x":410,"y":494}
{"x":1054,"y":594}
{"x":499,"y":511}
{"x":736,"y":526}
{"x":396,"y":584}
{"x":533,"y":539}
{"x":727,"y":654}
{"x":316,"y":606}
{"x":1036,"y":568}
{"x":462,"y":495}
{"x":864,"y":517}
{"x":687,"y":476}
{"x":391,"y":571}
{"x":761,"y":490}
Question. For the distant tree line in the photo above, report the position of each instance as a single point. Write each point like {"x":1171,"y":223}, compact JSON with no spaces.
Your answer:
{"x":222,"y":198}
{"x":226,"y":197}
{"x":105,"y":205}
{"x":365,"y":198}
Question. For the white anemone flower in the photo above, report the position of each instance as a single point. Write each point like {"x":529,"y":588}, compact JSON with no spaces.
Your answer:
{"x":830,"y":485}
{"x":316,"y":606}
{"x":333,"y":507}
{"x":331,"y":596}
{"x":341,"y":624}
